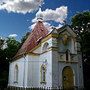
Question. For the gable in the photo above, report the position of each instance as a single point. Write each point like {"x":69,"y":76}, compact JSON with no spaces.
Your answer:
{"x":67,"y":40}
{"x":67,"y":30}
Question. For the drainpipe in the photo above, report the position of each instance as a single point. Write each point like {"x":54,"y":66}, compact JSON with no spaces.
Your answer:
{"x":24,"y":71}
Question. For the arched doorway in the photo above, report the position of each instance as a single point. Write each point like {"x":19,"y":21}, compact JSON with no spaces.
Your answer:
{"x":67,"y":78}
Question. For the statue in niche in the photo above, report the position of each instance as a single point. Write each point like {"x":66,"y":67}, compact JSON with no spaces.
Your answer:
{"x":65,"y":39}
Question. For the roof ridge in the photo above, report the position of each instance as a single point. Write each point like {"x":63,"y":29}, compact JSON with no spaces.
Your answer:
{"x":39,"y":32}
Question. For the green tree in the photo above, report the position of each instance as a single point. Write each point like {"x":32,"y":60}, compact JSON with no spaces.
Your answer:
{"x":9,"y":48}
{"x":1,"y":42}
{"x":12,"y":48}
{"x":81,"y":25}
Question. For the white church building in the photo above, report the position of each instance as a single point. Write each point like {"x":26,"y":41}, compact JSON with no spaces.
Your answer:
{"x":48,"y":59}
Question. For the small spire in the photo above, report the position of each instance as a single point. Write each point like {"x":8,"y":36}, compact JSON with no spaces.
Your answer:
{"x":65,"y":22}
{"x":39,"y":15}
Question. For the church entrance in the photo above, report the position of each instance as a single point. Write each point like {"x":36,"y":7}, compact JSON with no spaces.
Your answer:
{"x":67,"y":78}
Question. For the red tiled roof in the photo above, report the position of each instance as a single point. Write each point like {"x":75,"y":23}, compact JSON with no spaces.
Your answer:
{"x":38,"y":33}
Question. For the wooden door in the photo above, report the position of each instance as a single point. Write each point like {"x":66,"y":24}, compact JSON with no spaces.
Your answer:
{"x":68,"y":79}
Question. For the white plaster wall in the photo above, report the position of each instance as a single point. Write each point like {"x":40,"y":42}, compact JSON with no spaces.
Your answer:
{"x":48,"y":58}
{"x":55,"y":69}
{"x":22,"y":76}
{"x":74,"y":67}
{"x":38,"y":50}
{"x":48,"y":41}
{"x":73,"y":46}
{"x":33,"y":71}
{"x":35,"y":63}
{"x":80,"y":70}
{"x":34,"y":67}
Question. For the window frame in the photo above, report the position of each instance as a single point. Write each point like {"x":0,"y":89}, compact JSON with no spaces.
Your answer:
{"x":16,"y":72}
{"x":45,"y":47}
{"x":43,"y":74}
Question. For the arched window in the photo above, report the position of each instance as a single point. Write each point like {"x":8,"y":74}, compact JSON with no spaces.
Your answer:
{"x":43,"y":74}
{"x":16,"y":74}
{"x":45,"y":47}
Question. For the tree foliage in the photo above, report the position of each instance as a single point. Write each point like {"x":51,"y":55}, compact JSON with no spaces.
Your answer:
{"x":8,"y":49}
{"x":12,"y":48}
{"x":81,"y":25}
{"x":1,"y":42}
{"x":81,"y":22}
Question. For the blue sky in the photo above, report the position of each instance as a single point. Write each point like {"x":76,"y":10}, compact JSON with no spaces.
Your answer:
{"x":16,"y":17}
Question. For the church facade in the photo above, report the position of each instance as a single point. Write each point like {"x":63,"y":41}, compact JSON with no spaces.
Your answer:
{"x":48,"y":59}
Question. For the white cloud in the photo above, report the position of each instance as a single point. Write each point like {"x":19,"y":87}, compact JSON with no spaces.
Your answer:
{"x":13,"y":35}
{"x":58,"y":15}
{"x":59,"y":26}
{"x":46,"y":24}
{"x":20,"y":6}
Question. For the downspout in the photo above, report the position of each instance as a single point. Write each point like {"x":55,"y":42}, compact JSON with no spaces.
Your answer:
{"x":24,"y":71}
